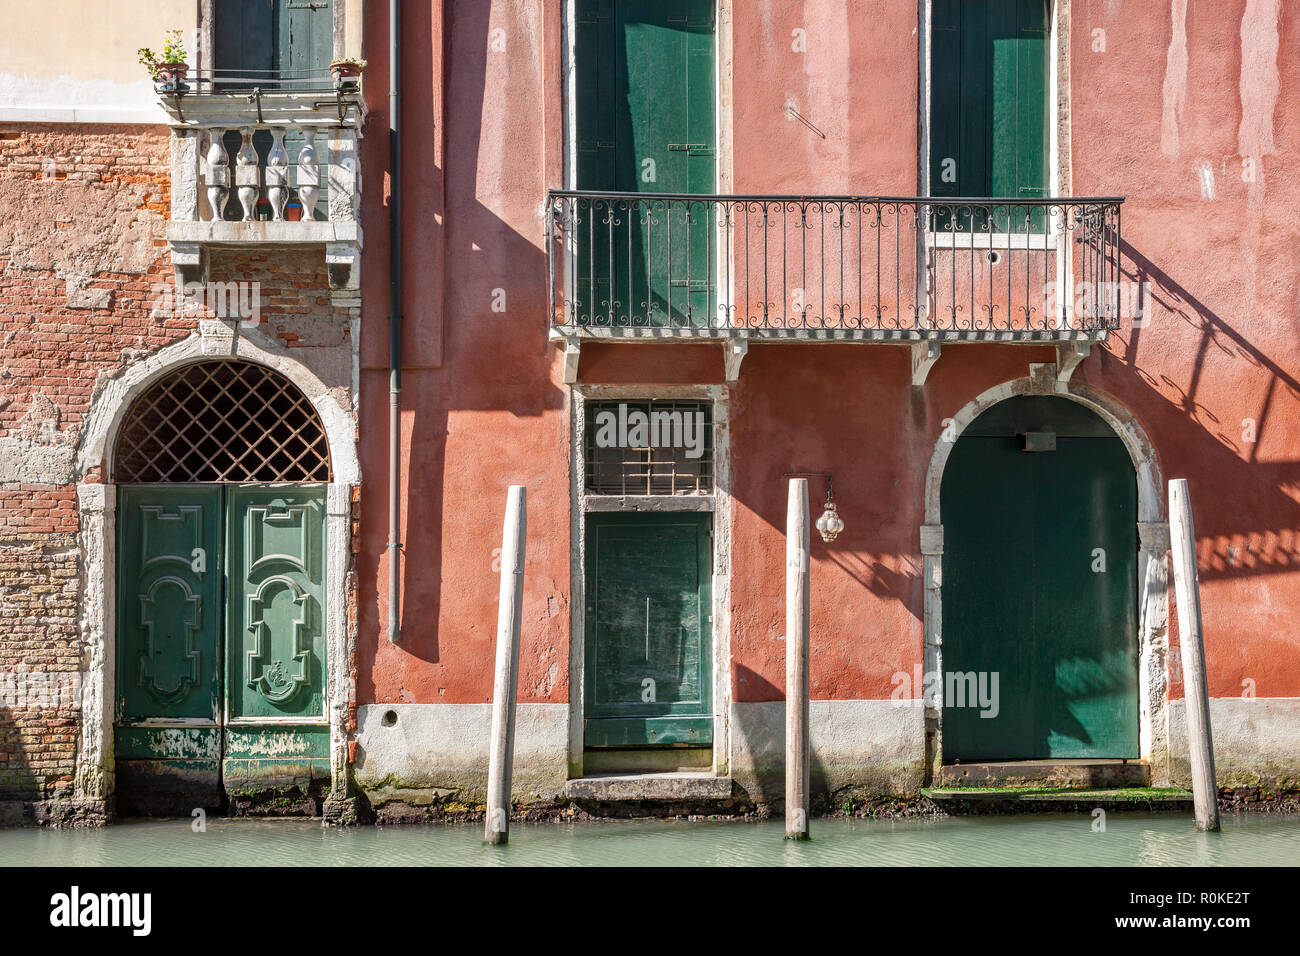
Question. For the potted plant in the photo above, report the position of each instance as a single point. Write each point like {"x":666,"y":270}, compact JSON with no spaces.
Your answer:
{"x":167,"y":68}
{"x":346,"y":71}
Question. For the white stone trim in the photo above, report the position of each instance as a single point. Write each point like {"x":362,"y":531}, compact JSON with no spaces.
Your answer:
{"x":875,"y":744}
{"x":97,"y":507}
{"x":1254,"y":741}
{"x":113,"y":394}
{"x":84,"y":115}
{"x":1153,"y":575}
{"x":417,"y":753}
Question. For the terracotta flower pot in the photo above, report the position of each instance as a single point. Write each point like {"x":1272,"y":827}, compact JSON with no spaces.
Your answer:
{"x":171,"y":74}
{"x":345,"y":74}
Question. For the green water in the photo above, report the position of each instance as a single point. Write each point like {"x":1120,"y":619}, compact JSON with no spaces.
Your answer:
{"x":1130,"y":839}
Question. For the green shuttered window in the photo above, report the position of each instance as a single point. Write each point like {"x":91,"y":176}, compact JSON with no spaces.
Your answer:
{"x":645,"y":122}
{"x":989,"y":108}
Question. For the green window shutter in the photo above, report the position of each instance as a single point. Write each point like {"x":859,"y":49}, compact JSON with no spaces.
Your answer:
{"x":945,"y":98}
{"x":257,"y":36}
{"x":1020,"y":115}
{"x":243,"y":37}
{"x":644,"y":89}
{"x":594,"y":94}
{"x":989,"y":98}
{"x":304,"y":37}
{"x":701,"y":117}
{"x":644,"y":99}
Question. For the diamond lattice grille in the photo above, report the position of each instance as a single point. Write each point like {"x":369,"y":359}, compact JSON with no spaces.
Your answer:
{"x":223,"y":421}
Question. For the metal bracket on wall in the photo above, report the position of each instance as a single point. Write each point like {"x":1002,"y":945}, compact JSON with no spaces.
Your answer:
{"x":924,"y":355}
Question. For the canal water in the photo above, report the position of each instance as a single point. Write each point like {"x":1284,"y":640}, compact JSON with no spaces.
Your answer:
{"x":1130,"y":839}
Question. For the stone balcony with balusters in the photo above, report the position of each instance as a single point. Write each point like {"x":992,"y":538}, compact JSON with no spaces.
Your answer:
{"x":271,"y":166}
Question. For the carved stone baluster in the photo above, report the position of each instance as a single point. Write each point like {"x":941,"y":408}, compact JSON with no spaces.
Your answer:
{"x":308,"y":174}
{"x":218,"y":174}
{"x":277,"y":175}
{"x":247,"y":178}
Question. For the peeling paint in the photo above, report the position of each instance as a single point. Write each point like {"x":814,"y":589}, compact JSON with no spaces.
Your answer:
{"x":1174,"y":91}
{"x":1259,"y":78}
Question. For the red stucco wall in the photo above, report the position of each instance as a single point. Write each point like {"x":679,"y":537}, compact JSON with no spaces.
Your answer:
{"x":485,"y":405}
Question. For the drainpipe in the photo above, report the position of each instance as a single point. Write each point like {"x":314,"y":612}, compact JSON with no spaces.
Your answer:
{"x":394,"y":319}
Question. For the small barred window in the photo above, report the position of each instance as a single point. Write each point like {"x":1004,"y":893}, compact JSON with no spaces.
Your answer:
{"x":648,"y":448}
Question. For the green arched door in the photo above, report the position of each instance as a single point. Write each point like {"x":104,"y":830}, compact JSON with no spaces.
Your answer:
{"x":1039,"y":508}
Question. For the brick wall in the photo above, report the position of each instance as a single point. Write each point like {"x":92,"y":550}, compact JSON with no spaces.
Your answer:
{"x":85,"y":279}
{"x":81,"y":257}
{"x":39,"y":656}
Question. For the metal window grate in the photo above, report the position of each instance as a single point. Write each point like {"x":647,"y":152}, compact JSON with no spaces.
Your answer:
{"x":222,"y":421}
{"x":672,"y":454}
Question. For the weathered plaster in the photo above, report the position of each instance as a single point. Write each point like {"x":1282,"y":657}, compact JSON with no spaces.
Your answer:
{"x":413,"y":751}
{"x":37,"y":450}
{"x":1254,"y":742}
{"x":877,"y":744}
{"x":115,"y":227}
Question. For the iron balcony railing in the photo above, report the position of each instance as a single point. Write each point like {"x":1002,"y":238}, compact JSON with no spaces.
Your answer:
{"x":833,"y":267}
{"x":264,"y":96}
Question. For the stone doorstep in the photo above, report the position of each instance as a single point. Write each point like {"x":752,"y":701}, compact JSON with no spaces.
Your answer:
{"x":649,"y":786}
{"x":1119,"y":795}
{"x":1064,"y":774}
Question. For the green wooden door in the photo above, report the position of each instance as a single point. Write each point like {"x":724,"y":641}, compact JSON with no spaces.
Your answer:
{"x":989,"y":110}
{"x":220,"y":643}
{"x":169,"y":618}
{"x":1040,"y":589}
{"x":276,"y":730}
{"x":644,"y":98}
{"x":648,"y":669}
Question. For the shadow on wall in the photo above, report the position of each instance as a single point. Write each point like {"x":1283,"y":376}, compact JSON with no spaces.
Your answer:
{"x":492,"y":361}
{"x":1254,"y":525}
{"x":1248,"y":510}
{"x":18,"y":782}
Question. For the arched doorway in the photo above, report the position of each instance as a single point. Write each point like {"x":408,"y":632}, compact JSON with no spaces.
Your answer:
{"x":221,"y":659}
{"x":1040,"y":556}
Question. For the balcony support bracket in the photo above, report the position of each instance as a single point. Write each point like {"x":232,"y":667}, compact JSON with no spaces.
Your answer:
{"x":1068,"y":357}
{"x":572,"y":346}
{"x":341,"y":260}
{"x":733,"y":353}
{"x":924,"y":355}
{"x":189,"y":261}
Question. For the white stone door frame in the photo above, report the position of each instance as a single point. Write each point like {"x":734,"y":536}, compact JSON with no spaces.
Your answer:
{"x":718,"y":504}
{"x":1152,"y":571}
{"x":97,"y":502}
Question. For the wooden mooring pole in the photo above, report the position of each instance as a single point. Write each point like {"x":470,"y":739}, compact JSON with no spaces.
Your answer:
{"x":504,"y":690}
{"x":1196,"y":693}
{"x":796,"y":662}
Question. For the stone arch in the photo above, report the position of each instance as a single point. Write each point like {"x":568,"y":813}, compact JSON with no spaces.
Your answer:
{"x":1153,"y":545}
{"x":113,"y":396}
